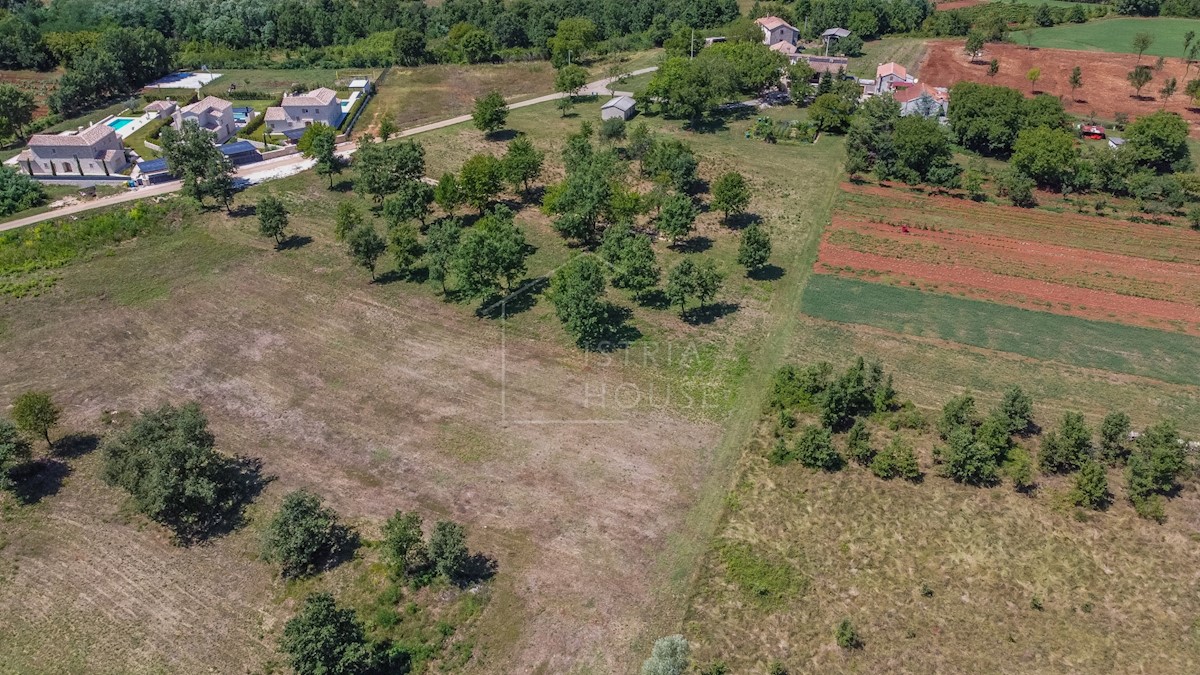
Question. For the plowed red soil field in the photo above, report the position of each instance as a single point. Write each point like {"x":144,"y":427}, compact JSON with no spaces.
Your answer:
{"x":1105,"y":89}
{"x":1094,"y":268}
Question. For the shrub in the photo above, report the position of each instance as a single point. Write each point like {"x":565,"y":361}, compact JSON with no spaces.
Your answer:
{"x":957,"y":413}
{"x":1066,"y":448}
{"x":323,"y":638}
{"x":897,"y":460}
{"x":846,"y":636}
{"x":1153,"y":467}
{"x":1114,"y":437}
{"x":304,"y":536}
{"x":448,"y":549}
{"x":968,"y":461}
{"x":14,"y":450}
{"x":814,"y":449}
{"x":669,"y":656}
{"x":794,"y":387}
{"x":1091,"y":487}
{"x":1019,"y":469}
{"x":1016,"y":409}
{"x":858,"y":443}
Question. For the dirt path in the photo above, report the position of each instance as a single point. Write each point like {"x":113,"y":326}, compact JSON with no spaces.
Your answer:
{"x":292,"y":163}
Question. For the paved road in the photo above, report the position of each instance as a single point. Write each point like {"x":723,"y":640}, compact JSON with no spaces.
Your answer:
{"x":285,"y":166}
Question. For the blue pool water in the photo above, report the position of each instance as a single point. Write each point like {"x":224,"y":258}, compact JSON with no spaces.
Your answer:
{"x":119,"y":122}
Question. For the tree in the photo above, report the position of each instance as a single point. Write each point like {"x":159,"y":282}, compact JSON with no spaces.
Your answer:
{"x":1016,"y":410}
{"x":1020,"y":470}
{"x":858,"y":443}
{"x":347,"y":220}
{"x":967,"y":460}
{"x":672,"y":162}
{"x":681,"y":283}
{"x":409,"y":47}
{"x":1168,"y":90}
{"x":731,"y":194}
{"x":491,"y":113}
{"x":993,"y":67}
{"x":870,"y":141}
{"x":1139,"y":77}
{"x":986,"y":118}
{"x":167,"y":462}
{"x":974,"y":44}
{"x":1075,"y":80}
{"x":382,"y":169}
{"x":922,"y":154}
{"x":1033,"y":76}
{"x":1156,"y":462}
{"x":1091,"y":486}
{"x":403,"y":543}
{"x":754,"y":249}
{"x":491,"y":251}
{"x":612,"y":130}
{"x":569,"y":79}
{"x":1066,"y":448}
{"x":846,"y":636}
{"x":1017,"y":186}
{"x":14,"y":450}
{"x":1042,"y":16}
{"x":325,"y":639}
{"x":480,"y":180}
{"x":677,"y":217}
{"x":1114,"y":436}
{"x":631,"y":260}
{"x":441,"y":248}
{"x":521,"y":164}
{"x":272,"y":218}
{"x":304,"y":536}
{"x":191,"y":154}
{"x":365,"y":246}
{"x":448,"y":549}
{"x":1048,"y":156}
{"x":35,"y":413}
{"x":575,"y":290}
{"x":387,"y":127}
{"x":16,"y":111}
{"x":411,"y":202}
{"x":1142,"y":42}
{"x":814,"y":449}
{"x":573,"y":37}
{"x":405,"y":246}
{"x":897,"y":460}
{"x":319,"y":142}
{"x":18,"y":191}
{"x":446,"y":194}
{"x":831,"y":112}
{"x":958,"y":412}
{"x":669,"y":656}
{"x":1158,"y":141}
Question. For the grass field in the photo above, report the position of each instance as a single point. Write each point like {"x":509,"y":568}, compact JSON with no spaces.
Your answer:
{"x":383,"y":396}
{"x":906,"y":51}
{"x":1116,"y":35}
{"x":278,"y":80}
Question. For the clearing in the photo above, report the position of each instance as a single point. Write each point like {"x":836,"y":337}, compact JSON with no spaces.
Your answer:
{"x":1105,"y":89}
{"x":1116,"y":35}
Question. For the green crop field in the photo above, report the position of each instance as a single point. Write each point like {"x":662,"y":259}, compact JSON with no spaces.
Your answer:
{"x":1116,"y":35}
{"x":1050,"y":337}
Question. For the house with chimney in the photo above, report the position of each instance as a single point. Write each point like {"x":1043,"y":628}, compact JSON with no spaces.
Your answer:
{"x":95,"y":152}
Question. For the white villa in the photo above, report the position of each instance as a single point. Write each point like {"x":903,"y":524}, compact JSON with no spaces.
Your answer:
{"x":211,"y":113}
{"x":776,"y":30}
{"x":94,"y":152}
{"x":303,"y":110}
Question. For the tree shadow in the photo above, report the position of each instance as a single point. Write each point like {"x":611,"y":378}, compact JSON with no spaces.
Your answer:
{"x":477,"y":569}
{"x":244,"y":211}
{"x":521,"y":299}
{"x":293,"y":242}
{"x":699,"y":186}
{"x":343,"y":186}
{"x":617,"y":332}
{"x":696,"y":244}
{"x":706,"y":314}
{"x":740,"y":221}
{"x":767,"y":272}
{"x":502,"y":135}
{"x":75,"y":445}
{"x":34,"y":481}
{"x":654,"y":299}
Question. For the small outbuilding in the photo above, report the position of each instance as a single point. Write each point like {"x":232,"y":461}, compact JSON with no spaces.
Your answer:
{"x":241,"y":152}
{"x":621,"y":106}
{"x":1115,"y":142}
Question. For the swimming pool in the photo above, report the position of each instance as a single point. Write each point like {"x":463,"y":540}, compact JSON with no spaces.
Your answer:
{"x":119,"y":123}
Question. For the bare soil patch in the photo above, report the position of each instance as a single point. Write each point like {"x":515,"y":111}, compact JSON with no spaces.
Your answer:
{"x":1105,"y":89}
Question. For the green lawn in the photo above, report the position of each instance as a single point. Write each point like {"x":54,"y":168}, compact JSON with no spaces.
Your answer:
{"x":906,"y":51}
{"x":1169,"y":357}
{"x":1116,"y":35}
{"x":277,"y":80}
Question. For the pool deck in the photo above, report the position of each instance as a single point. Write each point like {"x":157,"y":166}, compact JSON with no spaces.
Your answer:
{"x":136,"y":123}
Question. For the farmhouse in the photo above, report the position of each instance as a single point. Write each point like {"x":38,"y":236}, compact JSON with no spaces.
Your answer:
{"x":891,"y":76}
{"x":833,"y":35}
{"x":621,"y":107}
{"x":776,"y":30}
{"x":924,"y":100}
{"x":94,"y":152}
{"x":210,"y":113}
{"x":160,"y":109}
{"x":303,"y":110}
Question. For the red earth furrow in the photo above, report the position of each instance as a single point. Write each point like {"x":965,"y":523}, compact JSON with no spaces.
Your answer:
{"x":1176,"y":279}
{"x":1082,"y":302}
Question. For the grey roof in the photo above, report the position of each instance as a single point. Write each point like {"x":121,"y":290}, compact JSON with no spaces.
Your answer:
{"x":836,"y":32}
{"x":622,"y":103}
{"x":1116,"y":140}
